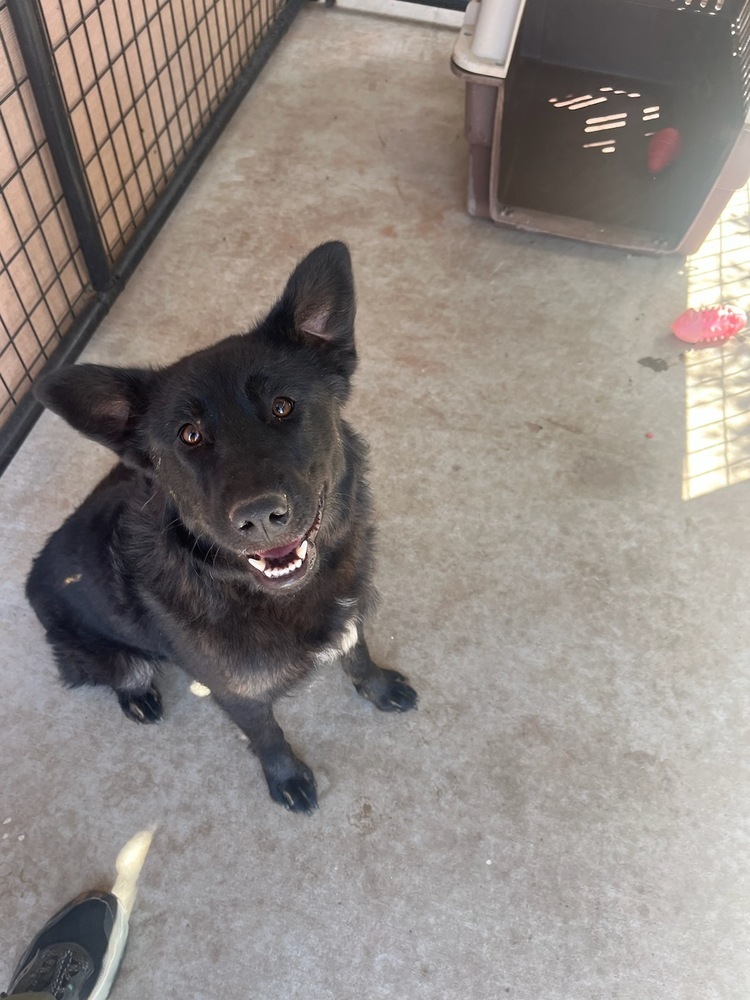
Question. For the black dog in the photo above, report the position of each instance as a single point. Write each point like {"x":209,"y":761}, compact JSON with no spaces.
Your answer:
{"x":236,"y":536}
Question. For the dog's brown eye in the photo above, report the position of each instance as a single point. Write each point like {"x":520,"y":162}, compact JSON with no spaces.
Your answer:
{"x":191,"y":435}
{"x":282,"y":407}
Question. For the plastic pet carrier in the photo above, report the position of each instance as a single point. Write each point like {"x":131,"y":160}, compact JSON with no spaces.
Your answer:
{"x":622,"y":122}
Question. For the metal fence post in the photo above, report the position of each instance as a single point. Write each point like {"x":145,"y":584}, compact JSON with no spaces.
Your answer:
{"x":39,"y":60}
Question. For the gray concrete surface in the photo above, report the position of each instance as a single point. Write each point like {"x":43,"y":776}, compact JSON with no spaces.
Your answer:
{"x":565,"y":817}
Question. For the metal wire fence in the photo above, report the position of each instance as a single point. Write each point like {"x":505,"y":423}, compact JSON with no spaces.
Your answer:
{"x":141,"y":80}
{"x":106,"y":111}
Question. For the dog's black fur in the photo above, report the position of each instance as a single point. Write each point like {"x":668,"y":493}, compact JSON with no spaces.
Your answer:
{"x":234,"y":453}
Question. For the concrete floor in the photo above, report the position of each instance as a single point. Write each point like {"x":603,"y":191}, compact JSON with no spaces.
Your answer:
{"x":565,"y":817}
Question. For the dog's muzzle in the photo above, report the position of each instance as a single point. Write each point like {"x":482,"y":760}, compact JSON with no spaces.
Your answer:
{"x":288,"y":564}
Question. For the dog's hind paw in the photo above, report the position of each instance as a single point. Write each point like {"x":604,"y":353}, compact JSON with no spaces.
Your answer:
{"x":298,"y":793}
{"x":145,"y":707}
{"x":388,"y":690}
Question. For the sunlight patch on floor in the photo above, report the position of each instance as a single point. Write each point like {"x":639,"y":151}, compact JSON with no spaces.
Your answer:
{"x":717,"y":379}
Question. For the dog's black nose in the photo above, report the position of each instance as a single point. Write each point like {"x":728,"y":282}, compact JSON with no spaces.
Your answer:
{"x":263,"y":514}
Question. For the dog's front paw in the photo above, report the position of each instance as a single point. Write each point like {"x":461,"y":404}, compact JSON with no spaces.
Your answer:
{"x":388,"y":690}
{"x":145,"y":707}
{"x":400,"y":696}
{"x":297,"y":792}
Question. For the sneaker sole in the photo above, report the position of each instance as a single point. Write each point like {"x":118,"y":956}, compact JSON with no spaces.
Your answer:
{"x":115,"y":951}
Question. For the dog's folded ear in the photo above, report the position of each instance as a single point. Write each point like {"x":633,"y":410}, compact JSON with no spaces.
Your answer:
{"x":319,"y":301}
{"x":103,"y":403}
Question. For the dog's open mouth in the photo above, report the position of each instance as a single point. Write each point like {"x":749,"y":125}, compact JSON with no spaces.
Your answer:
{"x":288,"y":563}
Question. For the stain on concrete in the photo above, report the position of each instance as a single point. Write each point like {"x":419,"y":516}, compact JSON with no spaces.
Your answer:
{"x":641,"y":757}
{"x":422,"y":365}
{"x":361,"y":817}
{"x":655,"y":364}
{"x":570,"y":428}
{"x":601,"y":476}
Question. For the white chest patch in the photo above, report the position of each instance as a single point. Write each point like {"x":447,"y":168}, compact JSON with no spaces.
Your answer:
{"x":346,"y":642}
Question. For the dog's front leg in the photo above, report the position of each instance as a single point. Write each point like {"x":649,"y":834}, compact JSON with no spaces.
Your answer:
{"x":386,"y":689}
{"x":290,"y":781}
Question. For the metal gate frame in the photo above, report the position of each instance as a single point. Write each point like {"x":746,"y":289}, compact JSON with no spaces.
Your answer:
{"x":442,"y":4}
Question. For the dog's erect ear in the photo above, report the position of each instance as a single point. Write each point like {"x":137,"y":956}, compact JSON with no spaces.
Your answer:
{"x":103,"y":403}
{"x":319,"y":297}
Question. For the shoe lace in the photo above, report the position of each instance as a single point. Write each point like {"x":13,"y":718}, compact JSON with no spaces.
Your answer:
{"x":55,"y":973}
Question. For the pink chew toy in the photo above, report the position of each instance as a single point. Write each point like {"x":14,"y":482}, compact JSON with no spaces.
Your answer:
{"x":664,"y":148}
{"x":709,"y":324}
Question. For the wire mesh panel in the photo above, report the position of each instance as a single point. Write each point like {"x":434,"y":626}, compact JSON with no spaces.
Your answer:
{"x":43,"y":280}
{"x":107,"y":109}
{"x":141,"y":80}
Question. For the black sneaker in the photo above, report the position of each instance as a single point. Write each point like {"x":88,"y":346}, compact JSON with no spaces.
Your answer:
{"x":77,"y":953}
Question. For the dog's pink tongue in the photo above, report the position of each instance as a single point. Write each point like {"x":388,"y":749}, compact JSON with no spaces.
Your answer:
{"x":285,"y":550}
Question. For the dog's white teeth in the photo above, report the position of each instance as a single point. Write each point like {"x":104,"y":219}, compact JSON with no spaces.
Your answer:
{"x":273,"y":572}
